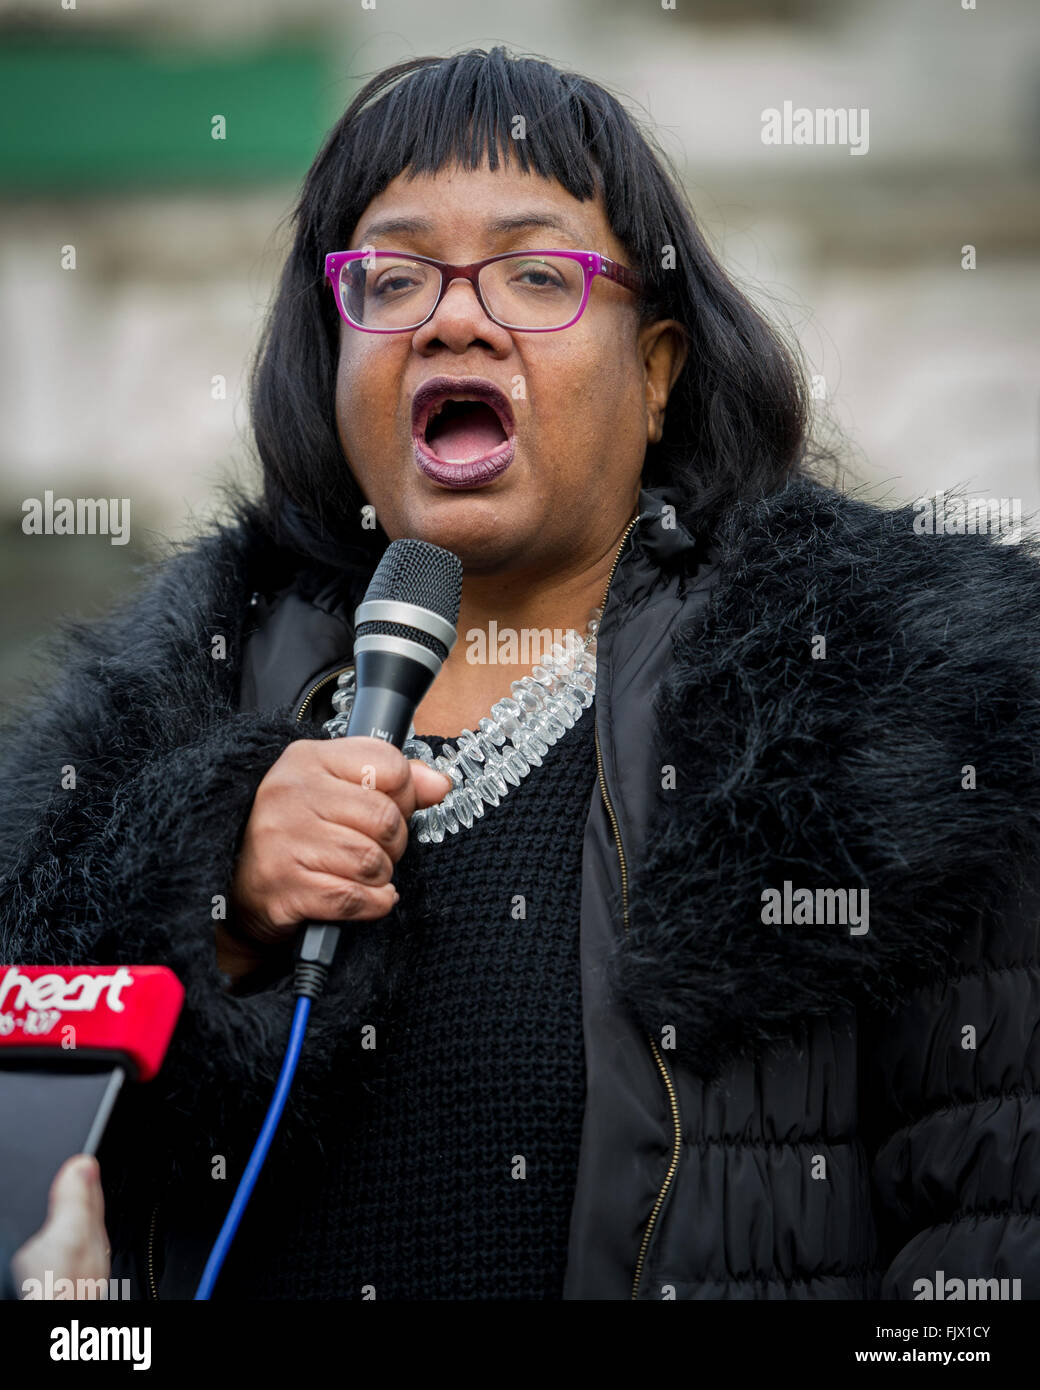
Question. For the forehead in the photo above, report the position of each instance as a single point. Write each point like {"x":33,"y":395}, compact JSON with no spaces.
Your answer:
{"x":493,"y":205}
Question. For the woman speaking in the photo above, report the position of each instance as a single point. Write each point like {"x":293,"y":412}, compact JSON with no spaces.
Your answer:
{"x":690,"y":944}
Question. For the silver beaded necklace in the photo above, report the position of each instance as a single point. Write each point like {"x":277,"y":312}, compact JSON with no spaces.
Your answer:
{"x":519,"y":731}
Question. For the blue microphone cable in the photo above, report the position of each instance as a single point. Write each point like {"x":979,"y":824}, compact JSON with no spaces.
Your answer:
{"x":312,"y":968}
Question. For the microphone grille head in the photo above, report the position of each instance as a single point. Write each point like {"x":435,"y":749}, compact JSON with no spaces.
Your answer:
{"x":421,"y":574}
{"x":417,"y":572}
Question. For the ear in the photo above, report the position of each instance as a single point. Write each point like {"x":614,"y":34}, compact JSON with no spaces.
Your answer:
{"x":663,"y":348}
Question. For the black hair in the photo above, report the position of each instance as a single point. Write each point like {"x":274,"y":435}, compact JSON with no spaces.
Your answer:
{"x":737,"y":419}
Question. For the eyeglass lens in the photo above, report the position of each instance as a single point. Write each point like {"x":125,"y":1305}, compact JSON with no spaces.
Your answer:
{"x":520,"y":291}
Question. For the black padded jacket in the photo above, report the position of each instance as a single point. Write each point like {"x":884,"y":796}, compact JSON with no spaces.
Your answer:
{"x":779,"y":1106}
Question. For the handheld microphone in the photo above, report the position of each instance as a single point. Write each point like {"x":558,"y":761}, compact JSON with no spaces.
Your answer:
{"x":403,"y":632}
{"x":69,"y":1037}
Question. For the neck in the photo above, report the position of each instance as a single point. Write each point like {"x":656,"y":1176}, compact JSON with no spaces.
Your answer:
{"x":506,"y":625}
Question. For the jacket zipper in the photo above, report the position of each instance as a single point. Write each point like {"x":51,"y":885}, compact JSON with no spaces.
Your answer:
{"x":322,"y":680}
{"x":673,"y":1098}
{"x":153,"y":1288}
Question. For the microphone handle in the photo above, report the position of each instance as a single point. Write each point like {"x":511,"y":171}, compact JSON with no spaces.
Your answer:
{"x":389,"y":687}
{"x":378,"y":712}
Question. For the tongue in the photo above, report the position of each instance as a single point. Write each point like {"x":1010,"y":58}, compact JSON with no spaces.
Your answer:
{"x":465,"y":433}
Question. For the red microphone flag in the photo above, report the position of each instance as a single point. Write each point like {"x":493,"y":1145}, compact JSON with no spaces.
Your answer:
{"x":127,"y":1012}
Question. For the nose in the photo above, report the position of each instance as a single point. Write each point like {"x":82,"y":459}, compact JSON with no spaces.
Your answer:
{"x":460,"y":321}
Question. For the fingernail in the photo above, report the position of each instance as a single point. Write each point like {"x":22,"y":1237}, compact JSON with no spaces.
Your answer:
{"x":84,"y":1170}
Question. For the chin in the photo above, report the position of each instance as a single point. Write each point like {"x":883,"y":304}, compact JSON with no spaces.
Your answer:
{"x":482,"y":534}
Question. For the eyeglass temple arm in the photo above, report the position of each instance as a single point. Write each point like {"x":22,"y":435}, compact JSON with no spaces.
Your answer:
{"x":621,"y":274}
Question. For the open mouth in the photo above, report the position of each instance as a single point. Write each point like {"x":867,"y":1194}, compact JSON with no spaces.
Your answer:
{"x":462,"y":430}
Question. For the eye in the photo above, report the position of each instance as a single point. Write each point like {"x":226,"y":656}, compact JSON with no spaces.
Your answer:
{"x":536,"y":275}
{"x":395,"y":281}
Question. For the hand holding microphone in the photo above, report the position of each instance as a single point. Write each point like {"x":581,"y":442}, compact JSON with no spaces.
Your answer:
{"x":329,"y":822}
{"x":330,"y":817}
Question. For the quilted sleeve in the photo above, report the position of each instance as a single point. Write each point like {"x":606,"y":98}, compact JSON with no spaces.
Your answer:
{"x":951,"y":1107}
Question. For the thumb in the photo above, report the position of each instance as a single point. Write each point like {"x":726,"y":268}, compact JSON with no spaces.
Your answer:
{"x":430,"y":786}
{"x":72,"y":1243}
{"x":76,"y":1203}
{"x":77,"y":1187}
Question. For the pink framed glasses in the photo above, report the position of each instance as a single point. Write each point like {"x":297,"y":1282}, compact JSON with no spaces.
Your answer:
{"x":526,"y":291}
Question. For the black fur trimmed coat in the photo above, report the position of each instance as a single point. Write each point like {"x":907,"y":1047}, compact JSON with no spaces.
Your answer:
{"x":778,"y":1106}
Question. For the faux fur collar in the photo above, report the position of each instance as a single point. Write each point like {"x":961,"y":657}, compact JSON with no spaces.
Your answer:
{"x":849,"y":769}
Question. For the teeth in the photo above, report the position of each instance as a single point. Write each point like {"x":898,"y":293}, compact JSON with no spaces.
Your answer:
{"x":442,"y":403}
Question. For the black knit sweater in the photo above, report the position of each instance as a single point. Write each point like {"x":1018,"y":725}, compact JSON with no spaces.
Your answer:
{"x":454,"y":1175}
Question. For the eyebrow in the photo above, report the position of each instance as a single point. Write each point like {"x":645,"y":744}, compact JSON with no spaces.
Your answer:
{"x":497,"y":226}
